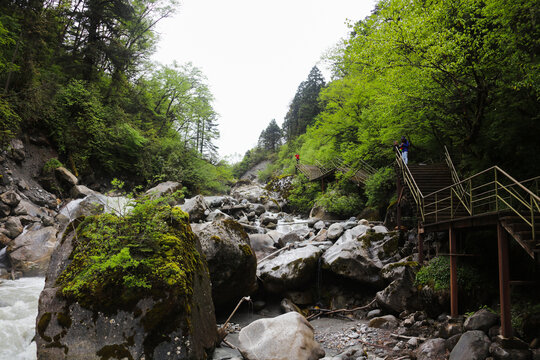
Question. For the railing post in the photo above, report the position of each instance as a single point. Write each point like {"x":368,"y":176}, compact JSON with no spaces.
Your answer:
{"x":420,"y":245}
{"x":398,"y":209}
{"x":470,"y":198}
{"x":504,"y":281}
{"x":496,"y":191}
{"x":453,"y":273}
{"x":532,"y":220}
{"x":451,"y":204}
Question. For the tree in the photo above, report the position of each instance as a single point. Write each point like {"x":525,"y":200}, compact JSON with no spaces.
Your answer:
{"x":270,"y":137}
{"x":305,"y":106}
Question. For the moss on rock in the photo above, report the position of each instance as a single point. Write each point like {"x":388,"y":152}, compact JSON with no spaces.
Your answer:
{"x":117,"y":260}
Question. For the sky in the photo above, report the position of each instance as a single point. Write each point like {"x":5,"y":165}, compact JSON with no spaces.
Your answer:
{"x":254,"y":54}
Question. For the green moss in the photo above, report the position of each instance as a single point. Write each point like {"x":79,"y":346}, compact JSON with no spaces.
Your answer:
{"x":235,"y":226}
{"x":246,"y":249}
{"x":117,"y":260}
{"x":64,"y":320}
{"x":42,"y":325}
{"x":215,"y":238}
{"x":391,"y":246}
{"x":371,"y":237}
{"x":114,"y":352}
{"x":51,"y":165}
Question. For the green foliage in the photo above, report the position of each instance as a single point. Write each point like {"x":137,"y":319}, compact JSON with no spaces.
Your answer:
{"x":380,"y":187}
{"x":340,"y":202}
{"x":50,"y":165}
{"x":250,"y":159}
{"x":303,"y":194}
{"x":437,"y":276}
{"x":116,"y":259}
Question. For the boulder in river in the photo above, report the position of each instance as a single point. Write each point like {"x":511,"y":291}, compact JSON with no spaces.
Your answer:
{"x":472,"y":345}
{"x":290,"y":270}
{"x":285,"y":337}
{"x":196,"y":207}
{"x":231,"y":260}
{"x":31,"y":251}
{"x":144,"y":295}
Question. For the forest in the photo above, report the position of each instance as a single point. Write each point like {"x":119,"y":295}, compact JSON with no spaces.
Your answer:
{"x":78,"y":72}
{"x":462,"y":74}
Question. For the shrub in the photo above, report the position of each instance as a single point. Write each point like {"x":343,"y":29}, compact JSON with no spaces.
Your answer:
{"x":437,"y":276}
{"x":339,"y":203}
{"x":380,"y":188}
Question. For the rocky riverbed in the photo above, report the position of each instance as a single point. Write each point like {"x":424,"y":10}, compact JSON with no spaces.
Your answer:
{"x":318,"y":287}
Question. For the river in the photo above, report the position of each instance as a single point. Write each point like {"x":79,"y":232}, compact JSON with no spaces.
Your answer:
{"x":18,"y":311}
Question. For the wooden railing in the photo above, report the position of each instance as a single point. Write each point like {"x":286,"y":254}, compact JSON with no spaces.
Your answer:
{"x":408,"y":179}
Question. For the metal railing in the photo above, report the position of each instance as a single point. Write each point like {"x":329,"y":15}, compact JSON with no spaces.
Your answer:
{"x":408,"y":179}
{"x":489,"y":191}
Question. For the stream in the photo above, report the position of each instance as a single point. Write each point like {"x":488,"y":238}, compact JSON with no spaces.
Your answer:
{"x":18,"y":311}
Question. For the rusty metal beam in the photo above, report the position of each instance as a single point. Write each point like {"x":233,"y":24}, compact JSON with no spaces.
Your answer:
{"x":453,"y":273}
{"x":420,"y":246}
{"x":504,"y":281}
{"x":398,"y":205}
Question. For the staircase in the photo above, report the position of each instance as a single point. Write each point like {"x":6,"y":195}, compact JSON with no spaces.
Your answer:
{"x":523,"y":233}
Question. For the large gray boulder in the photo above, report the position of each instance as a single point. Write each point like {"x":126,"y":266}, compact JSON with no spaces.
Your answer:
{"x":231,"y":261}
{"x":174,"y":321}
{"x":196,"y":207}
{"x":65,"y":177}
{"x":353,"y":234}
{"x":483,"y":319}
{"x":400,"y":294}
{"x":31,"y":251}
{"x":354,"y":259}
{"x":13,"y":227}
{"x":290,"y":270}
{"x":473,"y":345}
{"x":285,"y":337}
{"x":10,"y":198}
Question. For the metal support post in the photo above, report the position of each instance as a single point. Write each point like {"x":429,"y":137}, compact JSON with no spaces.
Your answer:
{"x":453,"y":273}
{"x":420,"y":246}
{"x":504,"y":281}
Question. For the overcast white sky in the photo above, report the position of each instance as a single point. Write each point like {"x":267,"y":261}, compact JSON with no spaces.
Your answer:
{"x":254,"y":54}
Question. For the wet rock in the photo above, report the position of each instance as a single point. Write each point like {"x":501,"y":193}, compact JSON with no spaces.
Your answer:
{"x":483,"y":319}
{"x":384,"y":322}
{"x":267,"y":219}
{"x":431,"y":349}
{"x":259,"y":209}
{"x":288,"y":336}
{"x":26,"y":207}
{"x":452,"y":341}
{"x":231,"y":261}
{"x":31,"y":251}
{"x":10,"y":198}
{"x":353,"y":234}
{"x":473,"y":345}
{"x":292,"y":269}
{"x":5,"y":210}
{"x":335,"y":231}
{"x":320,"y":213}
{"x":196,"y":208}
{"x":374,"y":313}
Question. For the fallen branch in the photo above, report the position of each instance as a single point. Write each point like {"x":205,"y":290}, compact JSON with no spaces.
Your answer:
{"x":330,"y":312}
{"x":222,"y":331}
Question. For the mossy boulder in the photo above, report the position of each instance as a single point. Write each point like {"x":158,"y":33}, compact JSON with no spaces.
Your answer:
{"x":231,"y":261}
{"x":127,"y":287}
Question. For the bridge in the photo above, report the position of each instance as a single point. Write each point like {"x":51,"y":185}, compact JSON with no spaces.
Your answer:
{"x":491,"y":197}
{"x":319,"y":172}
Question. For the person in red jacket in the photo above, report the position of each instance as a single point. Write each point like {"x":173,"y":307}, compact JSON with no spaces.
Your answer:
{"x":297,"y":156}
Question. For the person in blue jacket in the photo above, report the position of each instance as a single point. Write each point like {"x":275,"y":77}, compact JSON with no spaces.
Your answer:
{"x":404,"y":148}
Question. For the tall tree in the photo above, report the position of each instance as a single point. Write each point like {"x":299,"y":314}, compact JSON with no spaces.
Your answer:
{"x":270,"y":137}
{"x":305,"y":106}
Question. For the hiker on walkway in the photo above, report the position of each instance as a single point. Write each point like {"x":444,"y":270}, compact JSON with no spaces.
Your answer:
{"x":297,"y":156}
{"x":404,"y":148}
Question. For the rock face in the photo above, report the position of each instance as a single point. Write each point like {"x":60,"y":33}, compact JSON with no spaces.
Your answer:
{"x":401,"y":294}
{"x":231,"y":260}
{"x":289,"y":336}
{"x":175,"y":322}
{"x":483,"y":319}
{"x":291,"y":269}
{"x":473,"y":345}
{"x":30,"y":252}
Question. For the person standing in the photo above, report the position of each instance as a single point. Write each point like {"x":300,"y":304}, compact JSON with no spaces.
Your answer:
{"x":297,"y":156}
{"x":404,"y":148}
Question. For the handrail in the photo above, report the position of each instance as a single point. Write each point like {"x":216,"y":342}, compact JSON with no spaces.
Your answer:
{"x":490,"y":191}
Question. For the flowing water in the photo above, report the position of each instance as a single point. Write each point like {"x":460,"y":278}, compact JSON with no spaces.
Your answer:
{"x":18,"y":311}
